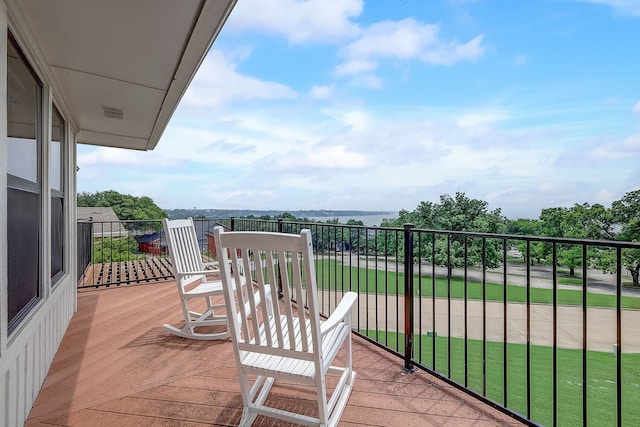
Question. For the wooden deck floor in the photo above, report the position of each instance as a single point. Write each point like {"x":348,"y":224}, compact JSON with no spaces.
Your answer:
{"x":117,"y":366}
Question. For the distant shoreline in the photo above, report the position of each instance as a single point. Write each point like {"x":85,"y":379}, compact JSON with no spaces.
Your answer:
{"x":309,"y":213}
{"x":369,"y":220}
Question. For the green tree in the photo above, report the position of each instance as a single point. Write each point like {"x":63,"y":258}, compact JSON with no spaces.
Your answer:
{"x":524,"y":227}
{"x":458,"y":213}
{"x":528,"y":227}
{"x":626,"y":213}
{"x":127,"y":207}
{"x":107,"y":250}
{"x":578,"y":222}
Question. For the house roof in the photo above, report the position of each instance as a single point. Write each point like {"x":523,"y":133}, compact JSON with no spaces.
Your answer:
{"x":118,"y":68}
{"x":148,"y":238}
{"x":106,"y":222}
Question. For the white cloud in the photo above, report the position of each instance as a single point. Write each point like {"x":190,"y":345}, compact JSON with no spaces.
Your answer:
{"x":604,"y":151}
{"x":479,"y":118}
{"x":636,"y":108}
{"x":408,"y":39}
{"x":627,"y":7}
{"x":246,"y":140}
{"x":101,"y":156}
{"x":367,"y":81}
{"x":357,"y":120}
{"x":270,"y":159}
{"x":321,"y":92}
{"x":321,"y":157}
{"x":355,"y":67}
{"x":217,"y":83}
{"x":298,"y":21}
{"x":605,"y":197}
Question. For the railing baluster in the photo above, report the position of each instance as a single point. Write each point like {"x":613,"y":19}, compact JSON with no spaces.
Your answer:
{"x":408,"y":298}
{"x":466,"y":311}
{"x":585,"y":407}
{"x":397,"y":287}
{"x":619,"y":335}
{"x":484,"y":316}
{"x":505,"y":358}
{"x":433,"y":300}
{"x":528,"y":373}
{"x":554,"y":376}
{"x":419,"y":294}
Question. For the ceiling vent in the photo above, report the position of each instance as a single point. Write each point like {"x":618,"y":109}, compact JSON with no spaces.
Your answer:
{"x":113,"y":112}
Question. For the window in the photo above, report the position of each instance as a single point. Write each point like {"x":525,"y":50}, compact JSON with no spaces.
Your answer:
{"x":24,"y":100}
{"x":56,"y":180}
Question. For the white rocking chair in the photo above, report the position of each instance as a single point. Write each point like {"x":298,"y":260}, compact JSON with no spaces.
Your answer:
{"x":278,"y":340}
{"x":194,"y":280}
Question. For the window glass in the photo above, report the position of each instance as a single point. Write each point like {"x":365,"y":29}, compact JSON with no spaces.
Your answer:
{"x":56,"y":162}
{"x":24,"y":205}
{"x":23,"y":158}
{"x":23,"y":108}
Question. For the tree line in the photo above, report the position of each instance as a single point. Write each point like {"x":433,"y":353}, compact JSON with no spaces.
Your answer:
{"x":619,"y":222}
{"x":125,"y":206}
{"x":459,"y":213}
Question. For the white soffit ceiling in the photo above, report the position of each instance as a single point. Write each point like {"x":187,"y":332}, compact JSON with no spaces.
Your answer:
{"x":121,"y":66}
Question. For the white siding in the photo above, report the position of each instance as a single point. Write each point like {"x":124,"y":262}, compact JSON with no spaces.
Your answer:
{"x":26,"y":355}
{"x":24,"y":364}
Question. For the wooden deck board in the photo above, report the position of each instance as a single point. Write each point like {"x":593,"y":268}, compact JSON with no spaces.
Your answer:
{"x":118,"y":366}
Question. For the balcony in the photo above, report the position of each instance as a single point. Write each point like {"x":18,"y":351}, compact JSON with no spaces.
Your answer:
{"x":490,"y":335}
{"x":118,"y":366}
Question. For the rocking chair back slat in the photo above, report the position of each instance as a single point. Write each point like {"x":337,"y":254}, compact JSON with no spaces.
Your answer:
{"x":183,"y":244}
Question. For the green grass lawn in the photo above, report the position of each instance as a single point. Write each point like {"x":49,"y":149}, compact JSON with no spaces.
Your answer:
{"x":601,"y":378}
{"x":570,"y":281}
{"x":334,"y":275}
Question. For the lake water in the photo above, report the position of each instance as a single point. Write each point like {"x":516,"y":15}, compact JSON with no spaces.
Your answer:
{"x":369,"y":220}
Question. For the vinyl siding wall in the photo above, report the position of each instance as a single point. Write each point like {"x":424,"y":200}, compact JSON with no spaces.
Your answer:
{"x":27,"y":352}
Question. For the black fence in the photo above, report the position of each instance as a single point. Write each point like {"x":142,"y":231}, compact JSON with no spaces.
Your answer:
{"x":84,"y":247}
{"x":546,"y":330}
{"x":115,"y":253}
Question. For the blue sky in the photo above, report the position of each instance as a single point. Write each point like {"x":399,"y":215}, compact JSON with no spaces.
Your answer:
{"x":379,"y":105}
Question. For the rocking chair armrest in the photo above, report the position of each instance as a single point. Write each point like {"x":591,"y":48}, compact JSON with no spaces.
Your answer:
{"x":197,"y":273}
{"x":213,"y":264}
{"x":257,"y":300}
{"x":340,"y":313}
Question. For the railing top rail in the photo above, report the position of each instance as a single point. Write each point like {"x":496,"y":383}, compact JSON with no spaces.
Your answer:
{"x":560,"y":240}
{"x":556,"y":240}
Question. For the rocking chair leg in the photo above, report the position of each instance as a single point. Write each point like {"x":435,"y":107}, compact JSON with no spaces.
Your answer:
{"x":247,"y":418}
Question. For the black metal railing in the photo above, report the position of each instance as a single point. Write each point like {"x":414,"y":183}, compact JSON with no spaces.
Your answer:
{"x":114,"y":253}
{"x":529,"y":325}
